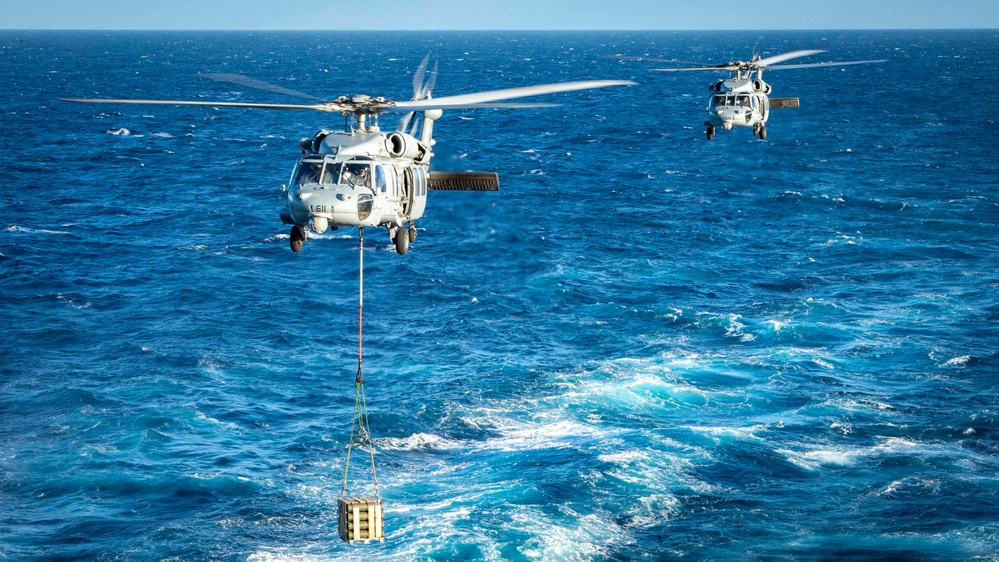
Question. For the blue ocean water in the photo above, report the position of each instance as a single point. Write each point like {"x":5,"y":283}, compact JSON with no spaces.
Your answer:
{"x":645,"y":346}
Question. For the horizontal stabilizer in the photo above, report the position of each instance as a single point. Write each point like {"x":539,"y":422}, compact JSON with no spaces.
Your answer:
{"x":463,"y":181}
{"x":783,"y":103}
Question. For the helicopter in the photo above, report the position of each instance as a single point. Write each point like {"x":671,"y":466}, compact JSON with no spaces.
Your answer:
{"x":744,"y":100}
{"x":363,"y":177}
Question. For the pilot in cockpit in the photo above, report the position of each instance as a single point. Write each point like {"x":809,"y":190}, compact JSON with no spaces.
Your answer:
{"x":357,"y":175}
{"x":309,"y":172}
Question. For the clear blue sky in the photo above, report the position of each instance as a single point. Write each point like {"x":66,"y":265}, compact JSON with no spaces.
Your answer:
{"x":498,"y":14}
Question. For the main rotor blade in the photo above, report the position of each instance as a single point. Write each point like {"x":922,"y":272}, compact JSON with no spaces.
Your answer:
{"x":418,"y":77}
{"x":241,"y":80}
{"x":455,"y":105}
{"x":428,"y":86}
{"x":325,"y":107}
{"x":714,"y":68}
{"x":785,"y":56}
{"x":647,"y":59}
{"x":404,"y":122}
{"x":480,"y":98}
{"x":819,"y":64}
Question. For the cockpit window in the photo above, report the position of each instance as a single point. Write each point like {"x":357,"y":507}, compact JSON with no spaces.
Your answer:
{"x":357,"y":175}
{"x":308,"y":172}
{"x":332,"y":174}
{"x":723,"y":100}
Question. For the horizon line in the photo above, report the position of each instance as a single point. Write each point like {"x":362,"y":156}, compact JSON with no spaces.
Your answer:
{"x":387,"y":30}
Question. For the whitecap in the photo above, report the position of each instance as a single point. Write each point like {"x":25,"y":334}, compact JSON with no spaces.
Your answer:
{"x":957,"y":361}
{"x":747,"y":433}
{"x":587,"y":539}
{"x":533,"y":436}
{"x":823,"y":363}
{"x":417,"y":441}
{"x":16,"y":228}
{"x":623,"y":457}
{"x":812,"y":460}
{"x":120,"y":132}
{"x":228,"y":425}
{"x":734,"y":329}
{"x":73,"y":302}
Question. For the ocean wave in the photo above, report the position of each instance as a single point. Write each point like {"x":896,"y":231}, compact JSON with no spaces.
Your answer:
{"x":725,"y":433}
{"x":417,"y":441}
{"x":536,"y":435}
{"x":589,"y":537}
{"x":27,"y":230}
{"x":814,"y":459}
{"x":957,"y":362}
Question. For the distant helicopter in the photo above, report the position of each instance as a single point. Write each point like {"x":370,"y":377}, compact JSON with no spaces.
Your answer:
{"x":362,"y":176}
{"x":742,"y":100}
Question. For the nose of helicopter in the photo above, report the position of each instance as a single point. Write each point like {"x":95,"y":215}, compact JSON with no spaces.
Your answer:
{"x":322,"y":205}
{"x":729,"y":117}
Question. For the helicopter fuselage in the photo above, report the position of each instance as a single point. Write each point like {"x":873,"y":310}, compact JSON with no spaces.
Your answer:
{"x":358,"y":179}
{"x":738,"y":103}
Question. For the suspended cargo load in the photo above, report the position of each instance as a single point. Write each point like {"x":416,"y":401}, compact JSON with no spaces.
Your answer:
{"x":361,"y":519}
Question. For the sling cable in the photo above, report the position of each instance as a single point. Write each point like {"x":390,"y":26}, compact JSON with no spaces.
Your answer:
{"x":360,"y":518}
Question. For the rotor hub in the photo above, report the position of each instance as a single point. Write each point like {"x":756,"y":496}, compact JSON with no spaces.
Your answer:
{"x":360,"y":104}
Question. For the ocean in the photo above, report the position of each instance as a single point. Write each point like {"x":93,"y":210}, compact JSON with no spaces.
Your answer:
{"x":645,"y":346}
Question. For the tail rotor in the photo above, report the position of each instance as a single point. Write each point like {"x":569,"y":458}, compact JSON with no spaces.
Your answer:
{"x":423,"y":86}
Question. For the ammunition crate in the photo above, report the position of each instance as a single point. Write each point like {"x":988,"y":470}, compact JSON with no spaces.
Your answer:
{"x":361,"y":519}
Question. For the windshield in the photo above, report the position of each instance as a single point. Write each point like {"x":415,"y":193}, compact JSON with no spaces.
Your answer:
{"x":308,"y":172}
{"x":722,"y":100}
{"x":332,"y":174}
{"x":357,"y":175}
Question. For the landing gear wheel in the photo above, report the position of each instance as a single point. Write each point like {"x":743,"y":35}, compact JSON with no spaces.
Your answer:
{"x":412,"y":233}
{"x":710,"y":132}
{"x":401,"y":242}
{"x":297,"y":238}
{"x":763,"y":133}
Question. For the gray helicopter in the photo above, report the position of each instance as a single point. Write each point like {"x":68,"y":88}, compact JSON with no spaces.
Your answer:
{"x":362,"y":176}
{"x":744,"y":100}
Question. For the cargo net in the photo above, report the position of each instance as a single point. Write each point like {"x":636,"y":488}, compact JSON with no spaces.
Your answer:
{"x":360,"y":517}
